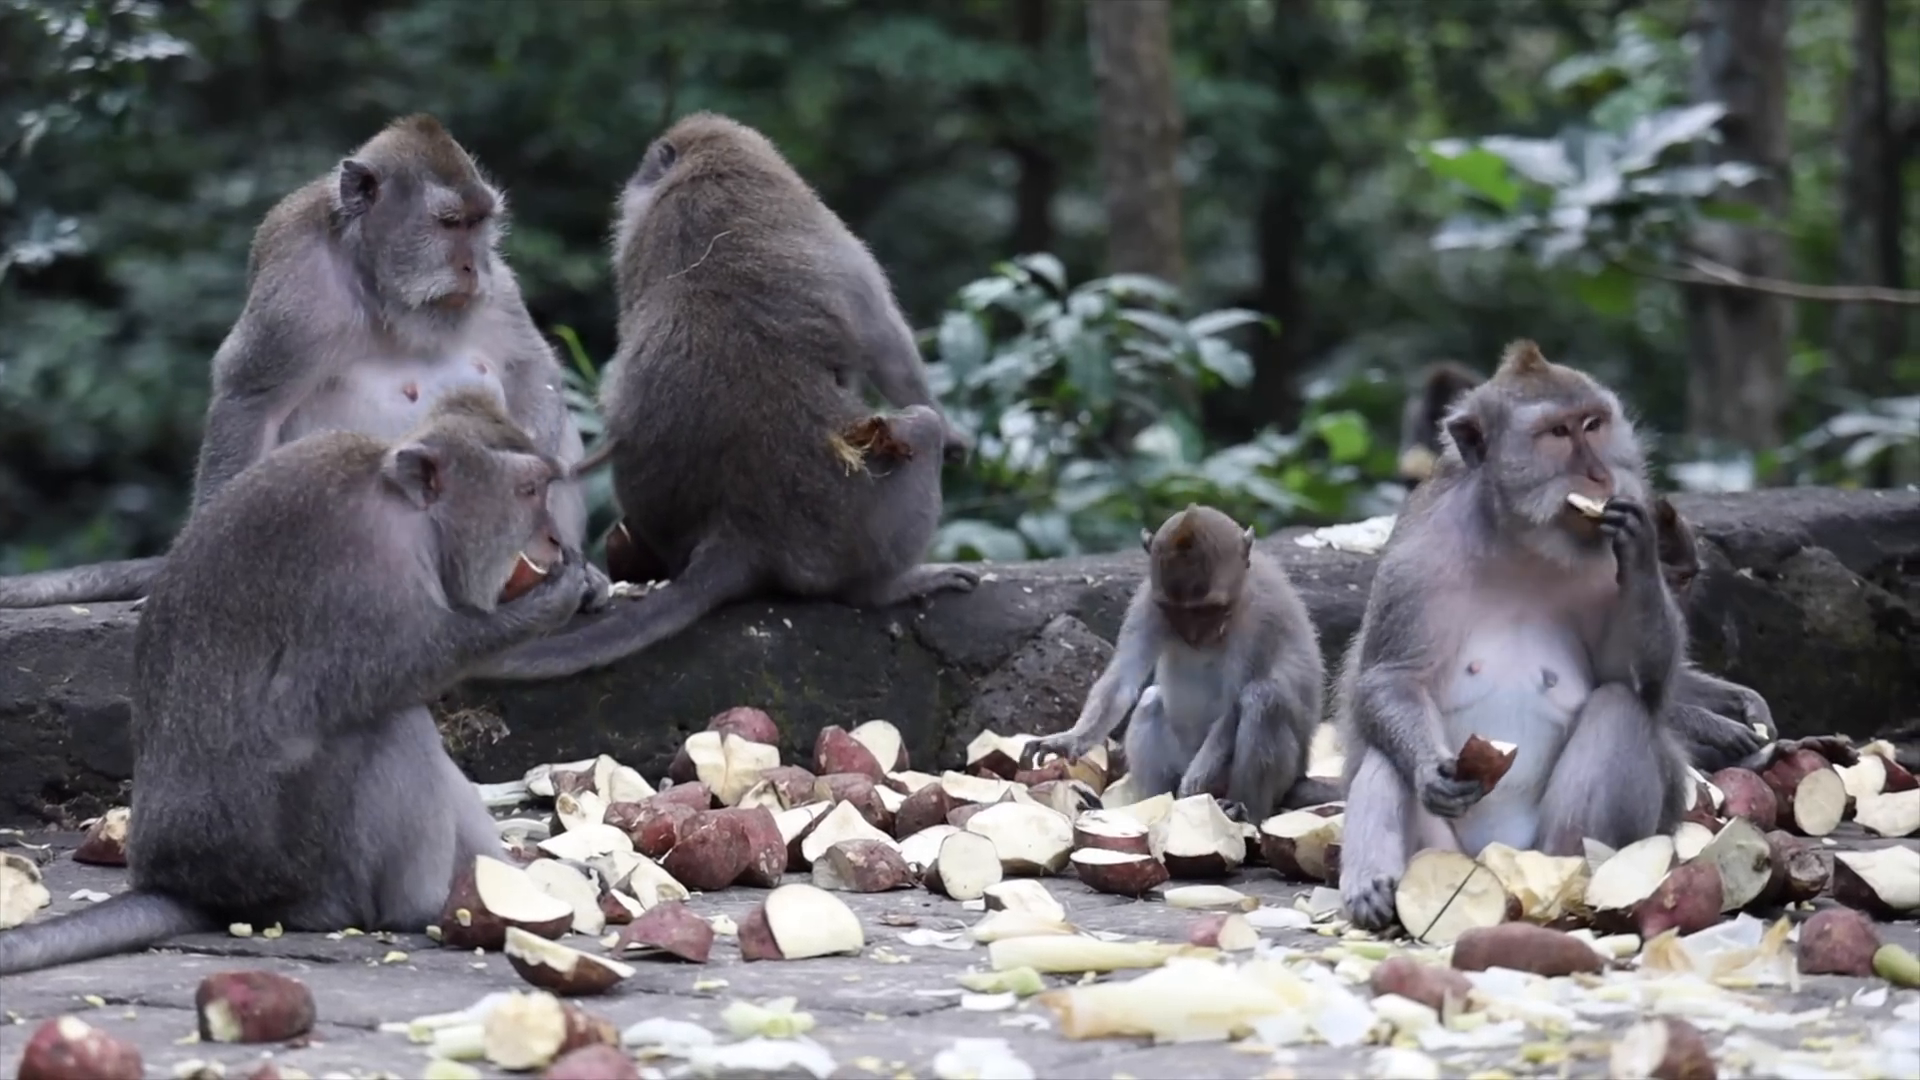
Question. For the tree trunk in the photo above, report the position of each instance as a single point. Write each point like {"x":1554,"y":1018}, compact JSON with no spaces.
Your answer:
{"x":1039,"y":178}
{"x":1868,"y":338}
{"x":1140,"y":131}
{"x":1736,"y":387}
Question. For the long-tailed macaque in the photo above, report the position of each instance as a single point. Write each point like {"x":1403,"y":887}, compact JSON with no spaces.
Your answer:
{"x":371,"y":292}
{"x":748,"y":314}
{"x":1234,"y":663}
{"x":1500,"y":609}
{"x":286,"y":769}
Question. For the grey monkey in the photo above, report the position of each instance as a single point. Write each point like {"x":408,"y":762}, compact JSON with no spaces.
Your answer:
{"x":286,"y":769}
{"x":1234,"y":661}
{"x":1499,"y":609}
{"x":749,"y":314}
{"x":371,"y":292}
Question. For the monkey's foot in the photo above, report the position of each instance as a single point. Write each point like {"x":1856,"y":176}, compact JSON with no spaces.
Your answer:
{"x":1233,"y":808}
{"x":1370,"y":903}
{"x":921,"y":581}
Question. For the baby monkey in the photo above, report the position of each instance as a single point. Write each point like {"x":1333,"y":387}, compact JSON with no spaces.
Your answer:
{"x":1520,"y":597}
{"x":286,"y":769}
{"x":1235,"y":666}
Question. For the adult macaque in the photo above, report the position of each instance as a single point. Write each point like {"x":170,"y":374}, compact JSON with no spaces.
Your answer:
{"x":1234,"y":664}
{"x":371,"y":292}
{"x":286,"y":769}
{"x":1713,"y":717}
{"x":748,"y":312}
{"x":1500,"y":609}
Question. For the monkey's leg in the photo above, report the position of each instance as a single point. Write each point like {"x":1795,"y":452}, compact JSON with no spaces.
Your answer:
{"x":1712,"y":741}
{"x":1155,"y":759}
{"x":902,"y":518}
{"x":1385,"y":827}
{"x":1619,"y":779}
{"x":1267,"y":756}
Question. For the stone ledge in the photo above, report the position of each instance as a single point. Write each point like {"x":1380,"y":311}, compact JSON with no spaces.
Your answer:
{"x":1809,"y":595}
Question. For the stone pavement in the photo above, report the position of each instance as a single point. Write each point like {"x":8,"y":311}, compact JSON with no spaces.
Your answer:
{"x":887,"y":1012}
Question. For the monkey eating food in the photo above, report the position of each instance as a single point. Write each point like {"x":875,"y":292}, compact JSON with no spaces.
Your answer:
{"x":1498,"y":609}
{"x":286,"y":769}
{"x":749,"y":314}
{"x":1235,"y":669}
{"x":371,"y":292}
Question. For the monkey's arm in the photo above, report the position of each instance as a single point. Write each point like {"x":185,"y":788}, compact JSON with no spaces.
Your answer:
{"x":892,"y":359}
{"x":1642,"y":643}
{"x":260,"y":373}
{"x":1118,"y":687}
{"x":1214,"y":757}
{"x":1393,"y":710}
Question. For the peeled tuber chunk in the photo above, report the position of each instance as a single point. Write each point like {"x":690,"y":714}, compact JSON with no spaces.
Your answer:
{"x":1030,"y":839}
{"x":1197,"y":840}
{"x":862,"y":866}
{"x":559,"y":968}
{"x":799,"y":921}
{"x":1118,"y":872}
{"x":1812,"y":797}
{"x":1297,"y":844}
{"x":670,"y":928}
{"x":494,"y":895}
{"x":1111,"y":830}
{"x":835,"y":750}
{"x":1484,"y":761}
{"x":843,"y":822}
{"x":252,"y":1007}
{"x":992,"y":754}
{"x":69,"y":1048}
{"x":1838,"y":941}
{"x":1428,"y":984}
{"x":106,"y":841}
{"x":884,"y":742}
{"x":1744,"y":794}
{"x":1227,"y":931}
{"x":1894,"y":813}
{"x":966,"y":867}
{"x":21,"y":891}
{"x":1443,"y":894}
{"x":526,"y":1031}
{"x":1525,"y":947}
{"x":1665,"y":1049}
{"x":1688,"y":900}
{"x":1884,"y":882}
{"x":728,"y":764}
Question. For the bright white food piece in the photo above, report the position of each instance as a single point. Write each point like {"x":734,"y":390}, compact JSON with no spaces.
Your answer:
{"x":550,"y":965}
{"x":1197,"y":840}
{"x":1210,"y":898}
{"x":967,"y":866}
{"x":21,"y":891}
{"x":1443,"y":894}
{"x":728,"y":764}
{"x":1024,"y":894}
{"x":565,"y":883}
{"x":1631,"y":874}
{"x":799,"y":921}
{"x":1893,"y":814}
{"x":843,"y":822}
{"x":1030,"y":839}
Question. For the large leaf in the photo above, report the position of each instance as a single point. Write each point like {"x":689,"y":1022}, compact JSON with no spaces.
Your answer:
{"x":1169,"y":328}
{"x":1233,"y":366}
{"x":1046,"y":267}
{"x":1478,"y":234}
{"x":1543,"y":161}
{"x":1219,"y":322}
{"x":963,"y":344}
{"x":1652,"y":135}
{"x":1485,"y":173}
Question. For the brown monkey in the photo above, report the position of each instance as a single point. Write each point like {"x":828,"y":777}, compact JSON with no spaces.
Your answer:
{"x":1499,"y":609}
{"x":1713,"y":717}
{"x":286,"y":769}
{"x":371,"y":292}
{"x":748,"y":312}
{"x":1235,"y":668}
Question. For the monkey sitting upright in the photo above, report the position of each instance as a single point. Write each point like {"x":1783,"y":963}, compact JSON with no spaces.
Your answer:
{"x":1500,"y":609}
{"x":286,"y":769}
{"x":1235,"y":666}
{"x":371,"y":291}
{"x":748,"y":312}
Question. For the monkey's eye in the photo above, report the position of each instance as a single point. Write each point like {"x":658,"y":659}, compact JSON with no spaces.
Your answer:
{"x":527,"y":490}
{"x":1593,"y":422}
{"x":452,"y":221}
{"x":1561,"y":431}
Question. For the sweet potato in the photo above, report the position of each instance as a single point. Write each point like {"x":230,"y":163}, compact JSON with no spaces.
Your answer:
{"x":1838,"y":941}
{"x":252,"y":1007}
{"x":1524,"y":947}
{"x":835,"y":750}
{"x":69,"y":1048}
{"x":1744,"y":794}
{"x":1428,"y":984}
{"x":669,"y":928}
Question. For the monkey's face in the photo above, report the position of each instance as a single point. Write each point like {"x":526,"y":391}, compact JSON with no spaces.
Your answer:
{"x":1196,"y":596}
{"x":1556,"y":448}
{"x":492,"y":510}
{"x":430,"y":245}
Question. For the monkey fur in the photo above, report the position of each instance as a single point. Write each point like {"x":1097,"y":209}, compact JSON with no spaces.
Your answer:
{"x":1499,"y":610}
{"x":1234,"y":662}
{"x":1713,"y":718}
{"x":749,"y":315}
{"x":371,"y":292}
{"x":286,"y":769}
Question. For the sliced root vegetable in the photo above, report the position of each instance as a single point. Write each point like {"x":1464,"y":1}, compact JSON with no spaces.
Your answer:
{"x":575,"y":810}
{"x":1525,"y":947}
{"x":1690,"y":839}
{"x":1024,"y":894}
{"x":1587,"y":506}
{"x":1197,"y":840}
{"x":69,"y":1048}
{"x":653,"y":825}
{"x":1112,"y":830}
{"x":1069,"y":797}
{"x":588,"y":841}
{"x":649,"y":885}
{"x":1813,"y":798}
{"x":21,"y":891}
{"x":799,"y":921}
{"x":862,"y":866}
{"x":1893,"y":814}
{"x":859,"y":790}
{"x":1120,"y":873}
{"x":1029,"y":839}
{"x":1664,"y":1049}
{"x":835,"y":750}
{"x":843,"y":822}
{"x":106,"y":841}
{"x":712,"y":853}
{"x":1001,"y":925}
{"x":1796,"y":871}
{"x":1428,"y":984}
{"x":1297,"y":843}
{"x":1484,"y":761}
{"x":884,"y":742}
{"x":728,"y":764}
{"x":1209,"y":898}
{"x":997,"y":755}
{"x":493,"y":895}
{"x":1897,"y":965}
{"x":616,"y":907}
{"x":540,"y":779}
{"x":1745,"y":794}
{"x":1868,"y":776}
{"x":580,"y":892}
{"x":1443,"y":894}
{"x":923,"y":847}
{"x":793,"y":785}
{"x":670,"y":929}
{"x":561,"y":969}
{"x":960,"y":815}
{"x":753,"y":725}
{"x":909,"y":781}
{"x":1838,"y":941}
{"x":1226,"y":931}
{"x":1899,"y":778}
{"x":1073,"y":953}
{"x":597,"y":1062}
{"x":691,"y":794}
{"x":967,"y":865}
{"x":978,"y":790}
{"x":1744,"y":861}
{"x":766,"y":847}
{"x":252,"y":1007}
{"x":1547,"y":888}
{"x":1123,"y":792}
{"x":528,"y":1031}
{"x":795,"y":826}
{"x":1884,"y":882}
{"x":1629,"y":876}
{"x":924,"y":809}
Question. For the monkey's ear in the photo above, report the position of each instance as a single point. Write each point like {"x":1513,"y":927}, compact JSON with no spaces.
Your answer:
{"x":1468,"y":436}
{"x":1146,"y":540}
{"x":414,"y":471}
{"x":1246,"y":545}
{"x":358,"y":187}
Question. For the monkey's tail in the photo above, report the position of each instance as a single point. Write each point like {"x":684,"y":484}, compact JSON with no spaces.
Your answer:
{"x":127,"y":579}
{"x":717,"y":574}
{"x":132,"y":920}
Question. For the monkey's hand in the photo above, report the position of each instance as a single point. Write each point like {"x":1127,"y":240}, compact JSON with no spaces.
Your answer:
{"x":957,"y":447}
{"x":1066,"y":744}
{"x":554,"y":600}
{"x":596,"y":591}
{"x":1445,"y":794}
{"x":1636,"y":544}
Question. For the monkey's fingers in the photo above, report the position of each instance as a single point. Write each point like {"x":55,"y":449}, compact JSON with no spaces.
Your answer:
{"x":1370,"y":903}
{"x":1233,"y":808}
{"x":1448,"y":797}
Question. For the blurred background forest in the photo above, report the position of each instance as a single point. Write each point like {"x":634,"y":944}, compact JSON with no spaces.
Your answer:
{"x":1159,"y":251}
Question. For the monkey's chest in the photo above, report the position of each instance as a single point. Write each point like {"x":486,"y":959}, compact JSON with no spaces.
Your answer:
{"x":1195,"y":691}
{"x":388,"y":397}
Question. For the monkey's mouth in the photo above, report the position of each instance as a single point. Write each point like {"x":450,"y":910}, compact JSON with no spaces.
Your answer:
{"x":526,"y":574}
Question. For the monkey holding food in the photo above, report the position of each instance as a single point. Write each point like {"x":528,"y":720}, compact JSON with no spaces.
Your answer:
{"x":286,"y":769}
{"x":1501,"y":608}
{"x":371,"y":292}
{"x":1234,"y":662}
{"x":749,"y":315}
